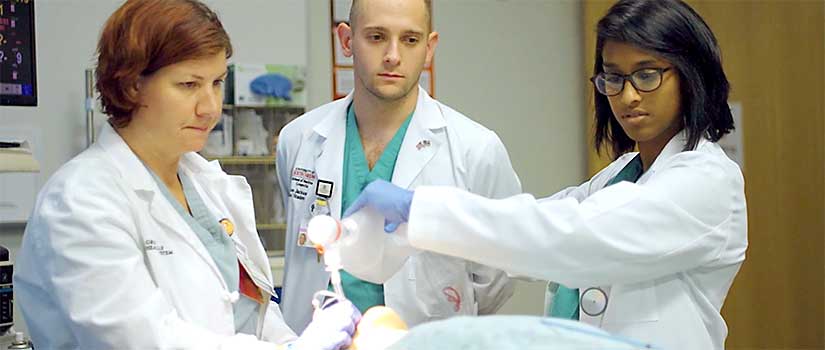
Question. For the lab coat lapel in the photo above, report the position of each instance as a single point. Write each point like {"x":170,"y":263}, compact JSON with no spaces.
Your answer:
{"x":138,"y":178}
{"x":329,"y":158}
{"x":420,"y":143}
{"x":217,"y":189}
{"x":166,"y":215}
{"x":230,"y":197}
{"x":674,"y":146}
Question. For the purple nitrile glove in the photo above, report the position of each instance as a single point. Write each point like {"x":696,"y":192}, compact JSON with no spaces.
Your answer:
{"x":391,"y":201}
{"x":331,"y":328}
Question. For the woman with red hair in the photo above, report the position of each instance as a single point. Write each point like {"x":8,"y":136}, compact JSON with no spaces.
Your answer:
{"x":139,"y":242}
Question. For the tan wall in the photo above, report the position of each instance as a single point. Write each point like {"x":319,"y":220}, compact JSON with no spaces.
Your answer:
{"x":773,"y":55}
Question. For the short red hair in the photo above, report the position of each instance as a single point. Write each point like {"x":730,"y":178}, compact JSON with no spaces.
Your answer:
{"x":143,"y":36}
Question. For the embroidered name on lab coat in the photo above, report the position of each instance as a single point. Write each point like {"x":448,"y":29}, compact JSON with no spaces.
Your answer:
{"x":302,"y":183}
{"x":150,"y":245}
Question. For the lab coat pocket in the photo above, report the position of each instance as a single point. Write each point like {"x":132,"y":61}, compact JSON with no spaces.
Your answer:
{"x":443,"y":286}
{"x":632,"y":303}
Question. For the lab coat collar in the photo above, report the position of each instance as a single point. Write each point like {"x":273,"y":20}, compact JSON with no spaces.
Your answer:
{"x":417,"y":149}
{"x":132,"y":168}
{"x":420,"y":143}
{"x":126,"y":161}
{"x":196,"y":164}
{"x":224,"y":190}
{"x":427,"y":114}
{"x":139,"y":179}
{"x":216,"y":185}
{"x":331,"y":123}
{"x":329,"y":156}
{"x":673,"y":147}
{"x":229,"y":197}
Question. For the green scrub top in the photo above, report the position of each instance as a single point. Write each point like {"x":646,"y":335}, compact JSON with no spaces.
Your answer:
{"x":566,"y":301}
{"x":357,"y":175}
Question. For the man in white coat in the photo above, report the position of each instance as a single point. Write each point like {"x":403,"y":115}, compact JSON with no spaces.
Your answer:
{"x":388,"y":128}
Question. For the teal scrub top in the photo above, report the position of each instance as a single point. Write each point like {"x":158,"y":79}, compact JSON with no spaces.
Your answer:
{"x":357,"y":175}
{"x":218,"y":244}
{"x":566,"y":301}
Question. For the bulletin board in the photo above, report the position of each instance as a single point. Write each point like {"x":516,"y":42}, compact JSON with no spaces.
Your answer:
{"x":343,"y":77}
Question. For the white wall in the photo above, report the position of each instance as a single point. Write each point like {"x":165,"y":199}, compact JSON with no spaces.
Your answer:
{"x":319,"y":56}
{"x":514,"y":66}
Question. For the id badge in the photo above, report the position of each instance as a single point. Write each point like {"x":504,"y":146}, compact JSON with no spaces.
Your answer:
{"x":303,"y":237}
{"x":303,"y":240}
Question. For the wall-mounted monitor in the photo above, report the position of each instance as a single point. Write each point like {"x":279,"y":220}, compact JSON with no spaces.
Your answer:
{"x":18,"y":77}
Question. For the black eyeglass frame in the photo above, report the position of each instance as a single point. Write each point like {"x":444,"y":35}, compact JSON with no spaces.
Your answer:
{"x":629,"y":77}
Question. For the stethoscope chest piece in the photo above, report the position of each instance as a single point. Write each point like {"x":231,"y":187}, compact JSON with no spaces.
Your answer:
{"x":593,"y":301}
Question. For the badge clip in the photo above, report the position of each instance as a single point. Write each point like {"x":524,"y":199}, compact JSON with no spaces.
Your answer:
{"x":324,"y":188}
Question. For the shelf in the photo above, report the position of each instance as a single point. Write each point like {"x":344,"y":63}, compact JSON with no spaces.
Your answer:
{"x":286,"y":108}
{"x":275,"y":254}
{"x":271,"y":226}
{"x":245,"y":160}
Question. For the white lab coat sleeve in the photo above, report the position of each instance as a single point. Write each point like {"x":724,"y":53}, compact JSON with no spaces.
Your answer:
{"x":579,"y":193}
{"x":94,"y":264}
{"x":624,"y":233}
{"x":493,"y":177}
{"x":275,"y":329}
{"x":597,"y":182}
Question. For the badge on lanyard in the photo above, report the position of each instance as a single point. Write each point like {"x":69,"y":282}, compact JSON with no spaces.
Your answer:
{"x":324,"y":189}
{"x":323,"y":192}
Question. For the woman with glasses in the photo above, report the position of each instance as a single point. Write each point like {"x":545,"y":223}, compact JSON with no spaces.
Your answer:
{"x":652,"y":242}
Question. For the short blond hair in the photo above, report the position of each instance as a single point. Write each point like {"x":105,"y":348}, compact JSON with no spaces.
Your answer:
{"x":428,"y":3}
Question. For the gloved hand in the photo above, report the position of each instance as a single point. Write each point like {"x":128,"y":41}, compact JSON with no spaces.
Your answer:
{"x":391,"y":201}
{"x":331,"y":328}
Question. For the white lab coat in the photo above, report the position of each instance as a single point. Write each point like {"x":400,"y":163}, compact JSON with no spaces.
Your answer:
{"x":668,"y":246}
{"x":441,"y":147}
{"x":107,"y":263}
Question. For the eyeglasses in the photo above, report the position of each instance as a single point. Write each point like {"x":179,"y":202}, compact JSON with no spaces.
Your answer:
{"x":644,"y":80}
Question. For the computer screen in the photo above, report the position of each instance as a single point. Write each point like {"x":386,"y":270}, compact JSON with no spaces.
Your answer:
{"x":18,"y":78}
